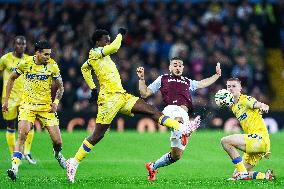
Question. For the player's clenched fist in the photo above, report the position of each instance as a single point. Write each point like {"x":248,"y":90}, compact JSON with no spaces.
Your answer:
{"x":264,"y":108}
{"x":140,"y":72}
{"x":122,"y":31}
{"x":218,"y":69}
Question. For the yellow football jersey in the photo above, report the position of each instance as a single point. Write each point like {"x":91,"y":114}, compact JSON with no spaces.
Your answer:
{"x":250,"y":118}
{"x":104,"y":68}
{"x":8,"y":63}
{"x":37,"y":83}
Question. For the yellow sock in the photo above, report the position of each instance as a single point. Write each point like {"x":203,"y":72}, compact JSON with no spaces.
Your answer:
{"x":169,"y":122}
{"x":11,"y":139}
{"x":16,"y":160}
{"x":239,"y":164}
{"x":83,"y":151}
{"x":28,"y":142}
{"x":258,"y":175}
{"x":241,"y":167}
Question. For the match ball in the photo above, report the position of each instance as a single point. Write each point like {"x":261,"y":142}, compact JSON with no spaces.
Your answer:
{"x":224,"y":98}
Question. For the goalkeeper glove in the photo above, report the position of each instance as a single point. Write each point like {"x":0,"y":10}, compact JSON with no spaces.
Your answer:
{"x":122,"y":31}
{"x":94,"y":96}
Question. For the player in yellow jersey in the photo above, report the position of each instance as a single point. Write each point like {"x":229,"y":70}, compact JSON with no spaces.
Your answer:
{"x":8,"y":63}
{"x":255,"y":140}
{"x":112,"y":97}
{"x":39,"y":71}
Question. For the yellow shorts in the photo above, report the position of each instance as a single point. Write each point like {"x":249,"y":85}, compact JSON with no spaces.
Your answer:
{"x":256,"y":148}
{"x":110,"y":104}
{"x":45,"y":118}
{"x":13,"y":110}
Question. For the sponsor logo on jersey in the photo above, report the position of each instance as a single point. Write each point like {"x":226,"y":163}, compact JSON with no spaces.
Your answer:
{"x":178,"y":81}
{"x":41,"y":77}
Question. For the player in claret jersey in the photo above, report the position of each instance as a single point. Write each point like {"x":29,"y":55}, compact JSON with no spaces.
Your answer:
{"x":112,"y":97}
{"x":8,"y":63}
{"x":175,"y":90}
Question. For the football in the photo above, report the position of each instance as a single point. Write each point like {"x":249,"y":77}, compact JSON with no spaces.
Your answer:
{"x":224,"y":98}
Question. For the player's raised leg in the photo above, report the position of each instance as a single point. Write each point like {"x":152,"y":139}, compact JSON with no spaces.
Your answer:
{"x":24,"y":128}
{"x":55,"y":136}
{"x":231,"y":144}
{"x":141,"y":107}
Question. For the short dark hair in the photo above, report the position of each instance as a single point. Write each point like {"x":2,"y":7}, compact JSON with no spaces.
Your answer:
{"x":20,"y":37}
{"x":235,"y":79}
{"x":98,"y":35}
{"x":176,"y":58}
{"x":40,"y":45}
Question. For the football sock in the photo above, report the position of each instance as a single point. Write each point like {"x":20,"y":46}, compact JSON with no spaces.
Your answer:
{"x":83,"y":151}
{"x":165,"y":160}
{"x":16,"y":160}
{"x":28,"y":142}
{"x":56,"y":150}
{"x":239,"y":164}
{"x":258,"y":175}
{"x":11,"y":139}
{"x":169,"y":122}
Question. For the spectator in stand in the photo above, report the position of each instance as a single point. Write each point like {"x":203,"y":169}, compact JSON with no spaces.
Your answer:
{"x":197,"y":32}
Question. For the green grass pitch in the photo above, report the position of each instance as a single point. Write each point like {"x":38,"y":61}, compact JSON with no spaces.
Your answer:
{"x":118,"y":162}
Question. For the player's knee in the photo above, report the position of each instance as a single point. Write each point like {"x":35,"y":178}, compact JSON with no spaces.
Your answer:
{"x":225,"y":141}
{"x":23,"y":133}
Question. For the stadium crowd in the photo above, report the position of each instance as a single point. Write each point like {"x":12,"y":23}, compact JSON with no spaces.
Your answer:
{"x":201,"y":34}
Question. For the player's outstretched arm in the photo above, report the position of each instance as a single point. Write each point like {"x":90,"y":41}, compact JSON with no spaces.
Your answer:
{"x":210,"y":80}
{"x":263,"y":107}
{"x":86,"y":70}
{"x":144,"y":91}
{"x":9,"y":87}
{"x":115,"y":45}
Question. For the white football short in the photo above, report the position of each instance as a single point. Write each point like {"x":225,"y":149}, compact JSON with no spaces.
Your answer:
{"x":174,"y":111}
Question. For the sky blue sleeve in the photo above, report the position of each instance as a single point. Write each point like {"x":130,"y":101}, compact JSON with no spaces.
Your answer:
{"x":155,"y":86}
{"x":193,"y":85}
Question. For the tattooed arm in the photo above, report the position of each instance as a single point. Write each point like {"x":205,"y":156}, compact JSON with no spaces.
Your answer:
{"x":59,"y":93}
